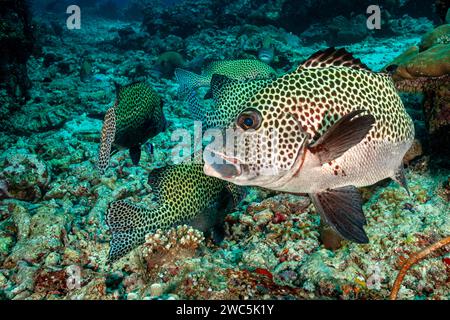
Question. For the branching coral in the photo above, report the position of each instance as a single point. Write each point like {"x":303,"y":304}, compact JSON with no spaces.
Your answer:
{"x":165,"y":247}
{"x":412,"y":260}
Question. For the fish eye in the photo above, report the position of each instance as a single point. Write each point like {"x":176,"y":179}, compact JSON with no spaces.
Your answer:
{"x":249,"y":119}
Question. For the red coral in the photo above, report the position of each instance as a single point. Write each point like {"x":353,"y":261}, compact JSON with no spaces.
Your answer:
{"x":279,"y":218}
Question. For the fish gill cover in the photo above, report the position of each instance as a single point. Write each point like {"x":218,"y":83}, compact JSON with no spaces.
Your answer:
{"x":241,"y":149}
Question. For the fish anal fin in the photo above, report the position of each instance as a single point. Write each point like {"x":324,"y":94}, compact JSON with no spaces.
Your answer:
{"x":400,"y":178}
{"x":341,"y":208}
{"x":332,"y":57}
{"x":211,"y":219}
{"x":341,"y":136}
{"x":218,"y":233}
{"x":107,"y":138}
{"x":135,"y":154}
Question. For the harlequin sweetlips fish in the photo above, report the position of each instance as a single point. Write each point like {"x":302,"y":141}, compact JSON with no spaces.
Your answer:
{"x":136,"y":116}
{"x":184,"y":195}
{"x":240,"y":69}
{"x":330,"y":126}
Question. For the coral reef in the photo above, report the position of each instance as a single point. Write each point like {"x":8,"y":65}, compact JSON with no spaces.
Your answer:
{"x":426,"y":68}
{"x":24,"y":176}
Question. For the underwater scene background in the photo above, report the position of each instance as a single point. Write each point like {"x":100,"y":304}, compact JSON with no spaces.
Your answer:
{"x":93,"y":205}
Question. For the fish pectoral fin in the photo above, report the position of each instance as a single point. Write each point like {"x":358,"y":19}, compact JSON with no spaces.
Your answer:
{"x":126,"y":223}
{"x":400,"y":178}
{"x":341,"y":136}
{"x":106,"y":140}
{"x":135,"y":154}
{"x":342,"y":209}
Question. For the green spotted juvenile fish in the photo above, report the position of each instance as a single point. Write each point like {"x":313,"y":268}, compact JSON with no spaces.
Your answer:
{"x":184,"y":194}
{"x":241,"y":69}
{"x":136,"y":116}
{"x":325,"y":129}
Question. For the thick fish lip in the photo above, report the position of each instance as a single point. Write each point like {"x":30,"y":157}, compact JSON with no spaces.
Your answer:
{"x":229,"y":169}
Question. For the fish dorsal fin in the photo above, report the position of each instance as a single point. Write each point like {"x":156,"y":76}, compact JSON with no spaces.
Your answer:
{"x":218,"y":82}
{"x":155,"y":181}
{"x":332,"y":57}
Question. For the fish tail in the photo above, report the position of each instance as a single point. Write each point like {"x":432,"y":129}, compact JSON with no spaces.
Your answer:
{"x":129,"y":224}
{"x":106,"y":140}
{"x":189,"y":81}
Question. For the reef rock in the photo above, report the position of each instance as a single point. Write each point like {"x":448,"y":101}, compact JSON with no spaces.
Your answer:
{"x":24,"y":175}
{"x":39,"y":235}
{"x":426,"y":69}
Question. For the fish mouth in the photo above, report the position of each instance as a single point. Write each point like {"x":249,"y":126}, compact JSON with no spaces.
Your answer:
{"x":228,"y":168}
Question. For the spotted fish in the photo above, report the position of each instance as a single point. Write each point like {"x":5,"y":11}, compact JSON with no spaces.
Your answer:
{"x":136,"y":116}
{"x":240,"y":69}
{"x":184,"y":194}
{"x":228,"y":96}
{"x":330,"y":126}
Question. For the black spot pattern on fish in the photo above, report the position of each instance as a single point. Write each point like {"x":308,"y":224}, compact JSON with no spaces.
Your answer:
{"x":136,"y":116}
{"x":183,"y":192}
{"x":241,"y":69}
{"x":317,"y":97}
{"x":229,"y":100}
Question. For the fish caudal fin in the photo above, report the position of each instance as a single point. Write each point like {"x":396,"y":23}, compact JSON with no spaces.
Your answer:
{"x":106,"y":140}
{"x":344,"y":134}
{"x":189,"y":81}
{"x":342,"y":209}
{"x":128,"y":227}
{"x":135,"y":154}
